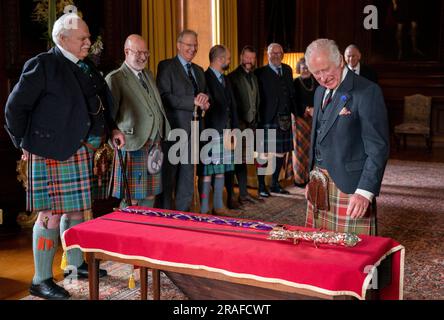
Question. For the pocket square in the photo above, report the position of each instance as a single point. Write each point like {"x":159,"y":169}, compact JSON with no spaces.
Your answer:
{"x":345,"y":112}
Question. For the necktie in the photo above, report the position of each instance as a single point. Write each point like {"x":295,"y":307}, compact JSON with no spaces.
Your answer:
{"x":85,"y":68}
{"x":193,"y":81}
{"x":327,"y":100}
{"x":142,"y":82}
{"x":279,"y":71}
{"x":222,"y":80}
{"x":354,"y":70}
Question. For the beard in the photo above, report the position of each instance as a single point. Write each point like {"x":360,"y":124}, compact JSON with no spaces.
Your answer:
{"x":248,"y":66}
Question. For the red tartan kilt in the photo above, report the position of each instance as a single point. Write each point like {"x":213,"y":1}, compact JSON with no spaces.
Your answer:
{"x":336,"y":218}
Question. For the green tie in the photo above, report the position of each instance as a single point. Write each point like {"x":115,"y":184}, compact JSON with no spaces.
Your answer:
{"x":85,"y":68}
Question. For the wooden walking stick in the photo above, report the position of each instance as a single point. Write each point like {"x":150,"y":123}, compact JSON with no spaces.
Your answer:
{"x":194,"y":134}
{"x":124,"y":176}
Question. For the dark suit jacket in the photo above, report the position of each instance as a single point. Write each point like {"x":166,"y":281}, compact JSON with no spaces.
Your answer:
{"x":46,"y":112}
{"x":368,"y":73}
{"x":271,"y":92}
{"x":223,"y":104}
{"x":177,"y":91}
{"x":247,"y":110}
{"x":355,"y":147}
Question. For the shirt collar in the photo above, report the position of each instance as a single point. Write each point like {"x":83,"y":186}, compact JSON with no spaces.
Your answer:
{"x":344,"y":74}
{"x":217,"y":73}
{"x":133,"y":70}
{"x":183,"y":61}
{"x":275,"y":68}
{"x":357,"y":68}
{"x":68,"y":55}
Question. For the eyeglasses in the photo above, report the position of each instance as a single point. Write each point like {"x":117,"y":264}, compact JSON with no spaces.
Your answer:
{"x":140,"y":53}
{"x":190,"y":45}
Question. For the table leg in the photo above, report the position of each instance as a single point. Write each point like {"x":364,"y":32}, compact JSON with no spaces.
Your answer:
{"x":93,"y":276}
{"x":143,"y":283}
{"x":156,"y":284}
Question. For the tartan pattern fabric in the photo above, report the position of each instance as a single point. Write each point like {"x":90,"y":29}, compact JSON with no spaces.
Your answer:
{"x":63,"y":186}
{"x":218,"y":160}
{"x":283,"y":140}
{"x":141,"y":183}
{"x":336,"y":218}
{"x":301,"y":143}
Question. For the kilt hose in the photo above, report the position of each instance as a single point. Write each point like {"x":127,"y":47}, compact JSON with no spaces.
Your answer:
{"x":301,"y":143}
{"x":141,"y":183}
{"x":336,"y":218}
{"x":218,"y":160}
{"x":64,"y":186}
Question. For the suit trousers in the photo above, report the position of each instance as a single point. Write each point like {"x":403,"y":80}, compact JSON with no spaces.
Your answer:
{"x":177,"y":180}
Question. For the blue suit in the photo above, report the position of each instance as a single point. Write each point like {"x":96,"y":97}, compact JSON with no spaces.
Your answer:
{"x":355,"y":142}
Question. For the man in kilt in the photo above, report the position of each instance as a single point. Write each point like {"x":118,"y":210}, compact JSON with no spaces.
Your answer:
{"x":277,"y":103}
{"x":222,"y":115}
{"x":349,"y":142}
{"x":141,"y":117}
{"x":58,"y":114}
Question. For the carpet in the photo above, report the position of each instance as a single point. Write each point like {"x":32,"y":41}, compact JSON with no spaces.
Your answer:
{"x":410,"y":210}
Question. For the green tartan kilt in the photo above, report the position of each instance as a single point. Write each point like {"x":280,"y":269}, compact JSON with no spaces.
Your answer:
{"x":218,"y":161}
{"x":64,"y":186}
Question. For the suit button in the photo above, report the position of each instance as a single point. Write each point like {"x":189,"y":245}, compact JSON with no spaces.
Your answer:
{"x":48,"y":136}
{"x":81,"y":140}
{"x":88,"y":124}
{"x":36,"y":132}
{"x":151,"y":115}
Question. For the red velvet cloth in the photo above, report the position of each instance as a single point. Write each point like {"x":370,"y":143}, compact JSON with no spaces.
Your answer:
{"x":329,"y":269}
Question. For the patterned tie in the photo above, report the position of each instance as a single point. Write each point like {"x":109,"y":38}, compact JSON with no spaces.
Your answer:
{"x":327,"y":100}
{"x":193,"y":81}
{"x":85,"y":68}
{"x":142,"y":82}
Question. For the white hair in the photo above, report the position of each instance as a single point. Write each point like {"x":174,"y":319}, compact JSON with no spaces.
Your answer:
{"x":271,"y":45}
{"x":325,"y":45}
{"x":63,"y":25}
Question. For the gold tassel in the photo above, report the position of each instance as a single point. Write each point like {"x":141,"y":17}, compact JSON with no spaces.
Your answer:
{"x":131,"y":282}
{"x":64,"y":263}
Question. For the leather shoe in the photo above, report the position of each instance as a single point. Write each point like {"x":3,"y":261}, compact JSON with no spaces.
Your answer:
{"x":82,"y":272}
{"x":278,"y":189}
{"x":225,"y":212}
{"x":48,"y":289}
{"x":233,"y":204}
{"x":247,"y":198}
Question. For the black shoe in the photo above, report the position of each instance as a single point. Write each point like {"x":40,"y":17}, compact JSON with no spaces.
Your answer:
{"x":82,"y":272}
{"x":278,"y":189}
{"x":48,"y":289}
{"x":300,"y":185}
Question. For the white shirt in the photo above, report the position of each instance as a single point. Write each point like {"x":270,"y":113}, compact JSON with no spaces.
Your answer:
{"x":366,"y":194}
{"x":357,"y":68}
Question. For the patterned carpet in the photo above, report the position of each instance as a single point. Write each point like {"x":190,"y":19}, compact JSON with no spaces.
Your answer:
{"x":410,"y":210}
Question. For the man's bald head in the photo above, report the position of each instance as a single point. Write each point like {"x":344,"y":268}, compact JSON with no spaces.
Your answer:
{"x":136,"y":52}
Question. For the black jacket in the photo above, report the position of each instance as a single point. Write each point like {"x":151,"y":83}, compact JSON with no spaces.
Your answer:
{"x":47,"y":113}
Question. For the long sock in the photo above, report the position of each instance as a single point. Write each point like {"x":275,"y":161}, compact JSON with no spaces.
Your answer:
{"x":279,"y":164}
{"x":44,"y":246}
{"x":205,"y":196}
{"x":229,"y":177}
{"x":241,"y":174}
{"x":74,"y":256}
{"x":218,"y":201}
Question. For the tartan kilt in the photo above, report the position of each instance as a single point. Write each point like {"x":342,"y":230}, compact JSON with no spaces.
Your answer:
{"x":218,"y":160}
{"x":141,"y":183}
{"x":64,"y":186}
{"x":336,"y":218}
{"x":283,"y":141}
{"x":301,"y":143}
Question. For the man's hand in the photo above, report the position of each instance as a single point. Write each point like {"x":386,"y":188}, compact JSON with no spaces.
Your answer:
{"x":309,"y":111}
{"x":118,"y":138}
{"x":25,"y":155}
{"x":202,"y":101}
{"x":357,"y":206}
